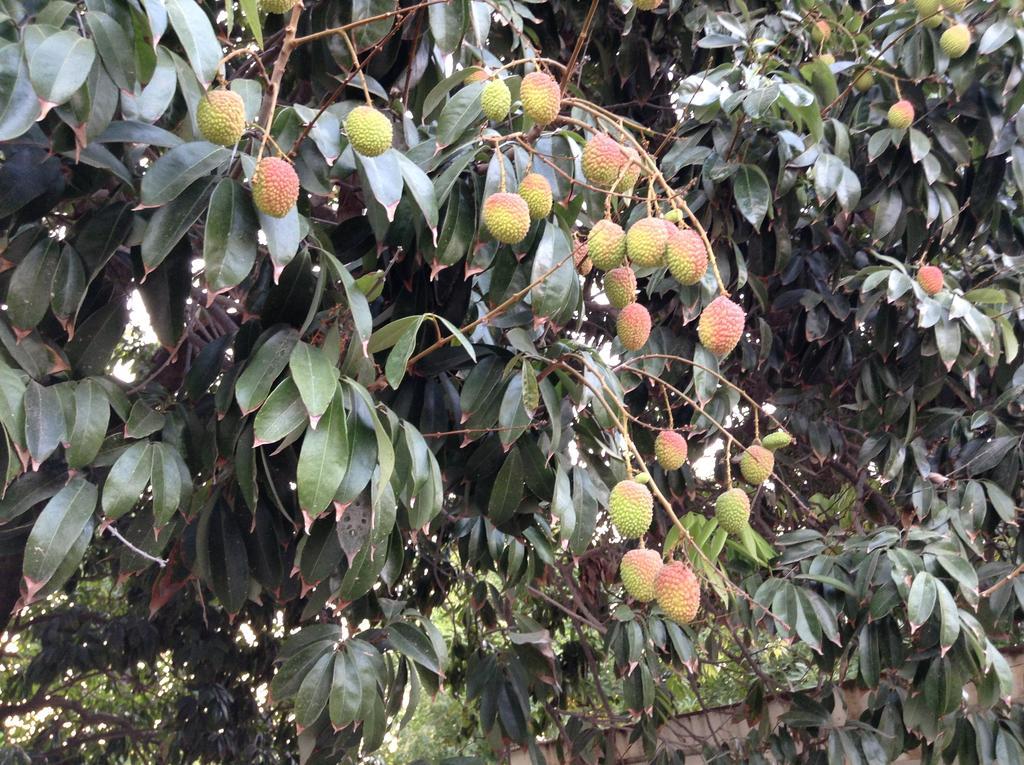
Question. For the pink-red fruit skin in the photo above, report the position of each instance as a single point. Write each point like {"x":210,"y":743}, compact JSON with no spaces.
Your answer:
{"x":678,"y":592}
{"x":275,"y":187}
{"x":721,"y":326}
{"x":686,"y":255}
{"x":541,"y":97}
{"x":634,"y":326}
{"x":638,"y":570}
{"x":901,"y":115}
{"x":670,"y":449}
{"x":930,"y":279}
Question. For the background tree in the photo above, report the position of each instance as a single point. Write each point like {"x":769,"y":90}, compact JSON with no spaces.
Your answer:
{"x":368,"y":456}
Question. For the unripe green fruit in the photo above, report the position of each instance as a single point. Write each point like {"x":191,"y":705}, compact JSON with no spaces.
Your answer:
{"x":633,"y":326}
{"x":901,"y":115}
{"x":507,"y":217}
{"x":678,"y":592}
{"x":607,"y":243}
{"x":221,"y":117}
{"x":631,"y":508}
{"x":956,"y":40}
{"x":732,"y":510}
{"x":928,"y":10}
{"x":646,"y":5}
{"x":827,"y":59}
{"x":275,"y":187}
{"x":670,"y":449}
{"x":930,"y":279}
{"x":638,"y":570}
{"x":536,"y":190}
{"x":821,"y":31}
{"x":496,"y":100}
{"x":721,"y":326}
{"x":369,"y":131}
{"x":674,"y":216}
{"x":642,"y":478}
{"x":954,"y":6}
{"x":620,"y":286}
{"x":645,"y":242}
{"x":541,"y":97}
{"x":686,"y":255}
{"x":757,"y":464}
{"x":863,"y":81}
{"x":777,"y":440}
{"x":277,"y":6}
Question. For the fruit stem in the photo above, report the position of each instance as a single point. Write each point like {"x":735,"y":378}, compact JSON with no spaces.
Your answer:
{"x":668,"y":405}
{"x":728,"y":465}
{"x":757,"y":427}
{"x":355,"y":63}
{"x":270,"y":103}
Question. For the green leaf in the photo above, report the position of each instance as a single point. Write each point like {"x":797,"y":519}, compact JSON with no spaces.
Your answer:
{"x":19,"y":107}
{"x":283,"y":238}
{"x":196,"y":35}
{"x":412,"y":643}
{"x":228,"y":559}
{"x":551,"y":296}
{"x":171,"y":222}
{"x":398,"y":359}
{"x":89,"y":351}
{"x":28,"y":294}
{"x":752,"y":192}
{"x":323,"y":458}
{"x":115,"y":48}
{"x":229,"y":247}
{"x":92,"y":415}
{"x":507,"y":489}
{"x":921,"y":600}
{"x":315,"y":377}
{"x":44,"y":421}
{"x":448,"y":24}
{"x":281,"y":414}
{"x":127,"y":479}
{"x":28,"y":491}
{"x":176,"y":170}
{"x":251,"y":15}
{"x":60,"y":64}
{"x":168,"y":489}
{"x":263,"y":368}
{"x":461,"y":111}
{"x":949,"y":618}
{"x":421,"y":188}
{"x":346,"y":697}
{"x":56,"y":531}
{"x":313,"y":693}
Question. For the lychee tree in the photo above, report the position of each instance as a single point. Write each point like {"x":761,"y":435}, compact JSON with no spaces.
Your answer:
{"x":566,"y":357}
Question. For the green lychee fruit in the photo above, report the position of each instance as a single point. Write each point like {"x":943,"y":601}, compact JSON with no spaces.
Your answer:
{"x":277,"y":6}
{"x":638,"y":570}
{"x":507,"y":217}
{"x":647,"y":5}
{"x":821,"y":31}
{"x":901,"y":115}
{"x":954,"y":6}
{"x":631,"y":508}
{"x":777,"y":440}
{"x":496,"y":100}
{"x":536,"y":190}
{"x":827,"y":59}
{"x":678,"y":592}
{"x":721,"y":326}
{"x":686,"y":255}
{"x":674,"y":215}
{"x":633,"y":326}
{"x":607,"y":243}
{"x":930,"y":279}
{"x":928,"y":10}
{"x":956,"y":40}
{"x":369,"y":131}
{"x":732,"y":510}
{"x":275,"y":187}
{"x":670,"y":449}
{"x":645,"y":242}
{"x":757,"y":464}
{"x":863,"y":81}
{"x":642,"y":478}
{"x":541,"y":97}
{"x":221,"y":117}
{"x":620,"y":286}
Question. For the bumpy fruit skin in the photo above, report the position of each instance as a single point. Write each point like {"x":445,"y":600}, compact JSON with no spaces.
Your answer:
{"x":686,"y":255}
{"x":721,"y":326}
{"x":645,"y":242}
{"x":780,"y":439}
{"x":607,"y":243}
{"x":507,"y":217}
{"x":930,"y":279}
{"x":732,"y":509}
{"x":496,"y":100}
{"x":478,"y":76}
{"x":275,"y":187}
{"x":678,"y":592}
{"x":631,"y":508}
{"x":277,"y":6}
{"x":221,"y":117}
{"x":633,"y":326}
{"x":670,"y":449}
{"x":956,"y":40}
{"x":638,"y":570}
{"x":863,"y":81}
{"x":757,"y":464}
{"x":604,"y":160}
{"x":369,"y":131}
{"x":821,"y":31}
{"x":647,"y":5}
{"x":536,"y":190}
{"x":954,"y":6}
{"x":620,"y":286}
{"x":901,"y":115}
{"x":929,"y":11}
{"x":541,"y":97}
{"x":580,"y":256}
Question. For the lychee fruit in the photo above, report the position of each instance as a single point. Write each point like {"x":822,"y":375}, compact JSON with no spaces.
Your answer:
{"x":607,"y":243}
{"x":930,"y":279}
{"x":647,"y":5}
{"x":638,"y":570}
{"x":732,"y":510}
{"x":954,"y":6}
{"x":686,"y":255}
{"x":541,"y":97}
{"x":901,"y":115}
{"x":670,"y":449}
{"x":721,"y":326}
{"x":275,"y":187}
{"x":678,"y":592}
{"x":631,"y":508}
{"x":675,"y":215}
{"x":478,"y":75}
{"x":277,"y":6}
{"x":221,"y":117}
{"x":956,"y":40}
{"x":507,"y":217}
{"x":827,"y":59}
{"x":620,"y":286}
{"x":369,"y":131}
{"x":580,"y":257}
{"x":757,"y":464}
{"x":821,"y":31}
{"x":633,"y":326}
{"x":646,"y":241}
{"x":863,"y":81}
{"x":536,"y":190}
{"x":496,"y":100}
{"x":604,"y":160}
{"x":928,"y":10}
{"x":777,"y":440}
